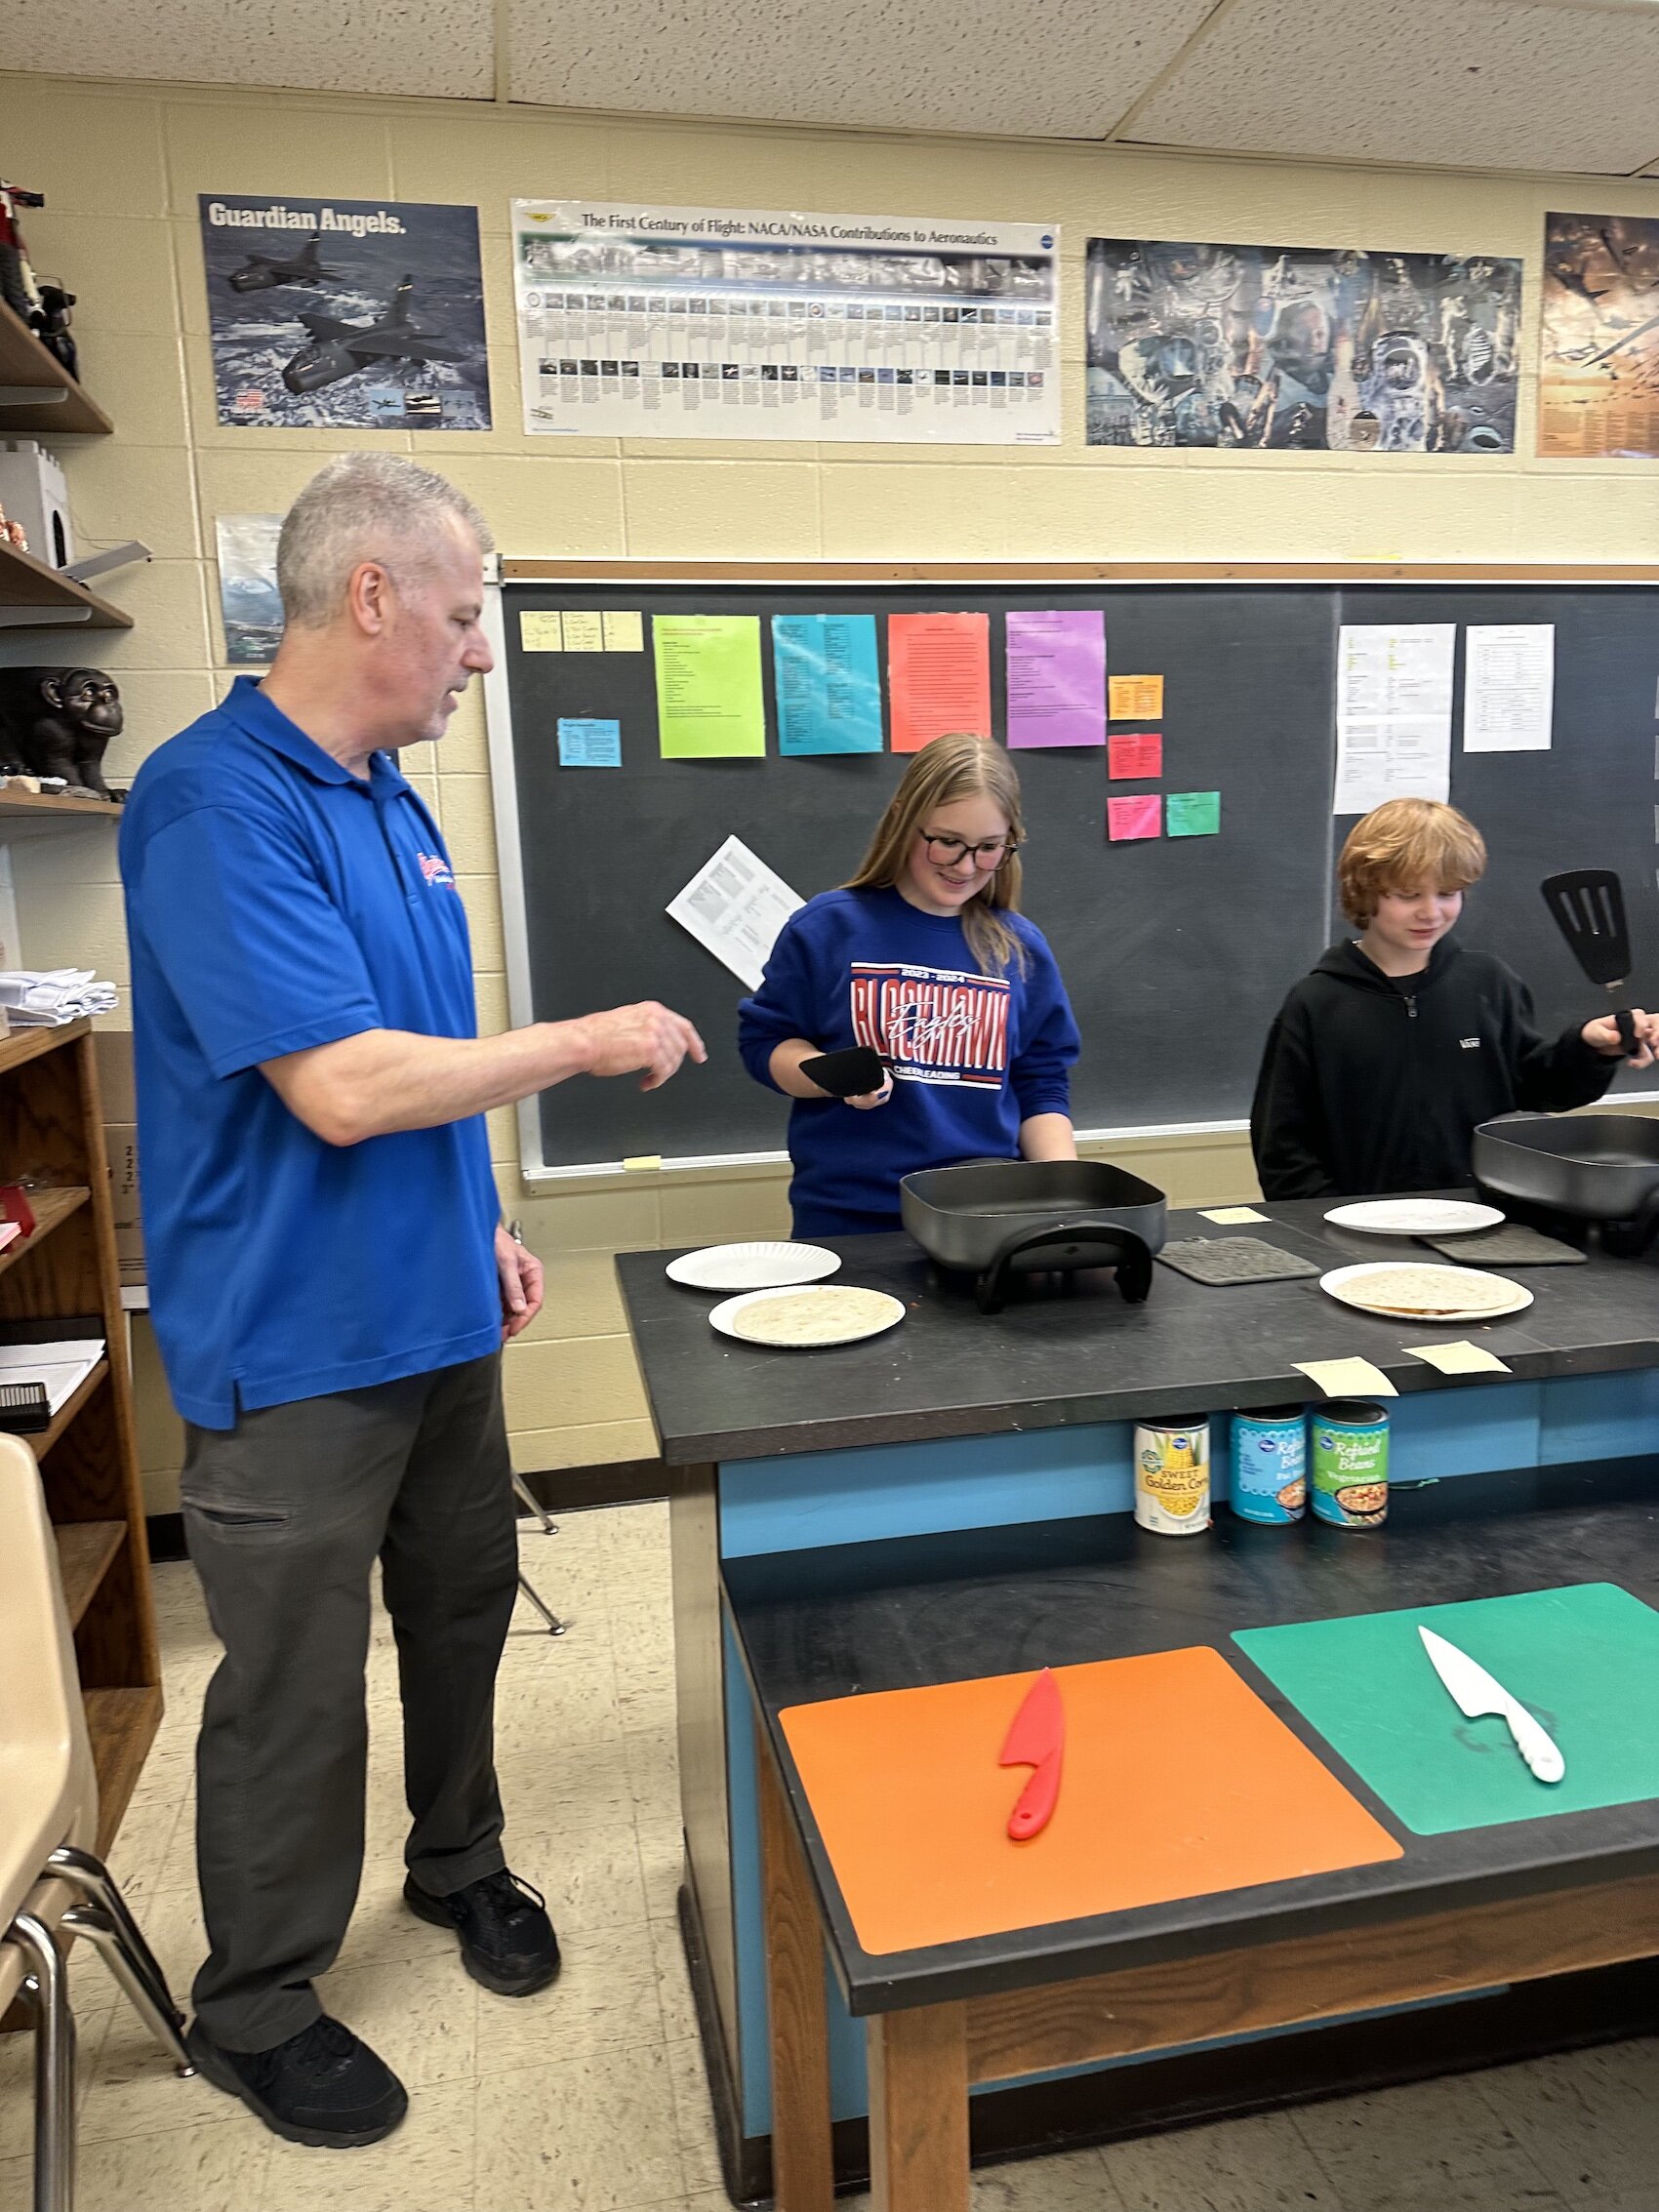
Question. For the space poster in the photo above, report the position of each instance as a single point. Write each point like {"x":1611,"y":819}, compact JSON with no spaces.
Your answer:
{"x":1598,"y":374}
{"x":346,"y":314}
{"x":1298,"y":347}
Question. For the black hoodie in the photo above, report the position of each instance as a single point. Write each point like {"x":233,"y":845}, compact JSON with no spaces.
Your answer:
{"x":1372,"y":1083}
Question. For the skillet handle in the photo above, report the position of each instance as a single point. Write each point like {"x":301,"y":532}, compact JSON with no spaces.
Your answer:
{"x":1119,"y":1247}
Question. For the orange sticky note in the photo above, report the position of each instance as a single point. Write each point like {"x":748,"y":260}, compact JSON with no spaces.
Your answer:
{"x":1136,"y":699}
{"x":1126,"y":819}
{"x":1178,"y":1781}
{"x":938,"y":677}
{"x":1136,"y":753}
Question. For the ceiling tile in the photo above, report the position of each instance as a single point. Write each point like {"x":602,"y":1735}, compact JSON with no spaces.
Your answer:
{"x":1480,"y":83}
{"x":1036,"y":69}
{"x":417,"y":47}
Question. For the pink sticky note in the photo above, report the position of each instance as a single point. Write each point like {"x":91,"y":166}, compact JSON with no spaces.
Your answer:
{"x":1136,"y":753}
{"x":1134,"y":817}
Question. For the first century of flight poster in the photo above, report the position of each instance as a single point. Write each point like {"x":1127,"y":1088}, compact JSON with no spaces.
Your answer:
{"x":346,"y":314}
{"x":704,"y":322}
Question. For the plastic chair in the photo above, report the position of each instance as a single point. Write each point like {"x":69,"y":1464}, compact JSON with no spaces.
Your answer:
{"x":52,"y":1885}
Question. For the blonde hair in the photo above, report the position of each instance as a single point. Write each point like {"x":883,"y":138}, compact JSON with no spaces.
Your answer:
{"x":1404,"y":843}
{"x":952,"y":768}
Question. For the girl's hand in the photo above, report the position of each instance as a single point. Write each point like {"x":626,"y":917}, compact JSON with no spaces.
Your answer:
{"x":867,"y":1099}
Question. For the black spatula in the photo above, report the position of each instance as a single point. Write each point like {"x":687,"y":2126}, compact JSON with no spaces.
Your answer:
{"x":847,"y":1074}
{"x":1587,"y":904}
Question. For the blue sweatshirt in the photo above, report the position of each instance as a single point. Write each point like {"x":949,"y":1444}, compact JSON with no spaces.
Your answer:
{"x":975,"y":1055}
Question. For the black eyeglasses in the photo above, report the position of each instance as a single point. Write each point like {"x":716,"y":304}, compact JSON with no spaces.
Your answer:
{"x":949,"y":852}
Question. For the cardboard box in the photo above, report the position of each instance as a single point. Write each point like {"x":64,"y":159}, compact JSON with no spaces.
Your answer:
{"x":116,"y":1090}
{"x":121,"y":1140}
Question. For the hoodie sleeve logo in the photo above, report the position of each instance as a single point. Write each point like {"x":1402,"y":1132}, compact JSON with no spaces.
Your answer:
{"x":934,"y":1024}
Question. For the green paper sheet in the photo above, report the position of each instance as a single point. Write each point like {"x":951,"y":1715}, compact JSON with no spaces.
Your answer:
{"x":1191,"y":814}
{"x":1584,"y":1660}
{"x":710,"y":705}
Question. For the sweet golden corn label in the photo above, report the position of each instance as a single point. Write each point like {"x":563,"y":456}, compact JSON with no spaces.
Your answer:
{"x":1172,"y":1479}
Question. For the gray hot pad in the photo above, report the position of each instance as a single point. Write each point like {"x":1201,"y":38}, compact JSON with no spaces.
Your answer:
{"x":1510,"y":1245}
{"x":1224,"y":1260}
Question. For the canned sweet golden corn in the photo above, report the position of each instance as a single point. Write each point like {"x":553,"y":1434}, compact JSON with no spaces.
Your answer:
{"x":1172,"y":1477}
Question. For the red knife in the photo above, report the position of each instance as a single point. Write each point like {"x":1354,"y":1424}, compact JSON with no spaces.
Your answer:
{"x":1036,"y":1739}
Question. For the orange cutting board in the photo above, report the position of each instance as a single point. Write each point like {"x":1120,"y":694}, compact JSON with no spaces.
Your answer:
{"x":1178,"y":1781}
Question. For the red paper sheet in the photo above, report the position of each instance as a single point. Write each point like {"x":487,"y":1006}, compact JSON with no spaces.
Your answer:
{"x":938,"y":677}
{"x":1134,"y":817}
{"x":1136,"y":753}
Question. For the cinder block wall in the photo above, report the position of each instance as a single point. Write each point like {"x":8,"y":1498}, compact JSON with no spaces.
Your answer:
{"x":122,"y":166}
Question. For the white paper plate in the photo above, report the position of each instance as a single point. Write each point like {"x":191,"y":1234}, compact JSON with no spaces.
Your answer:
{"x":752,"y":1266}
{"x":1415,"y":1216}
{"x":724,"y":1316}
{"x":1347,"y":1283}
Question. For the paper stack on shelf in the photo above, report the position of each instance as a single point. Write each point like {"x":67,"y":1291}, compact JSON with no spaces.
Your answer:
{"x":45,"y":998}
{"x":63,"y":1366}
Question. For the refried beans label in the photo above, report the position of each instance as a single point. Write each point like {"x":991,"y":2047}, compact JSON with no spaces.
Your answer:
{"x":935,"y":1025}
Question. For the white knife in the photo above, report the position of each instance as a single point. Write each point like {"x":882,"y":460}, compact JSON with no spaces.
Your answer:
{"x":1476,"y":1693}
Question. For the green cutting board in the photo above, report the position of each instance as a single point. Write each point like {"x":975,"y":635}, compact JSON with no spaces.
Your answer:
{"x":1584,"y":1660}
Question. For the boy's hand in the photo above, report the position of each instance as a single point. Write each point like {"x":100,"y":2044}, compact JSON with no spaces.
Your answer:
{"x":867,"y":1099}
{"x":1602,"y":1036}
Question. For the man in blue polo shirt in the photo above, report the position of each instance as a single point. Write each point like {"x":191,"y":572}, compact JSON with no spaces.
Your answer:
{"x":328,"y":1280}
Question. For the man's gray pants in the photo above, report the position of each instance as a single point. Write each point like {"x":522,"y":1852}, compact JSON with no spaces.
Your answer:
{"x":285,"y":1515}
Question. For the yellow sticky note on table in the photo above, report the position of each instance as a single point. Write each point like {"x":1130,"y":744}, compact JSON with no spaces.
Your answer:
{"x":1347,"y":1378}
{"x":539,"y":631}
{"x":1135,"y":699}
{"x":644,"y":1160}
{"x":1226,"y":1215}
{"x":584,"y":632}
{"x":625,"y":632}
{"x":1460,"y":1358}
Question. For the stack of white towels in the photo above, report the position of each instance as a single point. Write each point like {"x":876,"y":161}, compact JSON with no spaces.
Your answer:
{"x":45,"y":998}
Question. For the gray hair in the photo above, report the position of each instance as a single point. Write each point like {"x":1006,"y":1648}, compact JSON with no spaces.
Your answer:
{"x":364,"y":507}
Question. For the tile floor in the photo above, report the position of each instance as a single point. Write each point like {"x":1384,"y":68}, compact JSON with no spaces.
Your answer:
{"x":589,"y":2097}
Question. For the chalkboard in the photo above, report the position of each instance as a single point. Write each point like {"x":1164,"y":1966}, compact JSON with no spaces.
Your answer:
{"x":1175,"y":952}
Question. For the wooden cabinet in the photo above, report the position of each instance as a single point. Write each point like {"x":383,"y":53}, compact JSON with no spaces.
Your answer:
{"x":51,"y":1138}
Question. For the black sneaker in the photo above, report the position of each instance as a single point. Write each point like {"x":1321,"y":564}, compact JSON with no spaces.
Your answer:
{"x":506,"y":1939}
{"x":324,"y":2086}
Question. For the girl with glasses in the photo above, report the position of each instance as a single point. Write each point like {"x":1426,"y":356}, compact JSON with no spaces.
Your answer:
{"x":924,"y":957}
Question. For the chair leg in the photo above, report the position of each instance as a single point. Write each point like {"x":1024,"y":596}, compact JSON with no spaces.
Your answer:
{"x":54,"y":2066}
{"x":153,"y":2004}
{"x":528,"y":1499}
{"x":555,"y":1626}
{"x":98,"y":1885}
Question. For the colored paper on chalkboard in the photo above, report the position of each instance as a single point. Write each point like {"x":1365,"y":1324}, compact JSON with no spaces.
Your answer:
{"x":624,"y":630}
{"x":1137,"y":699}
{"x":1057,"y":677}
{"x":710,"y":705}
{"x":540,"y":630}
{"x":938,"y":677}
{"x":828,"y":683}
{"x":1192,"y":814}
{"x":584,"y":743}
{"x":1135,"y":753}
{"x":1127,"y":818}
{"x":583,"y":631}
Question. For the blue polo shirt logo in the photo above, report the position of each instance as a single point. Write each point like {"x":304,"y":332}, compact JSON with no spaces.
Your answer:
{"x":275,"y":902}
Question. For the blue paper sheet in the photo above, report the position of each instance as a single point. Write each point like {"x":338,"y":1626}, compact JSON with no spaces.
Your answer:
{"x":587,"y":743}
{"x":828,"y":683}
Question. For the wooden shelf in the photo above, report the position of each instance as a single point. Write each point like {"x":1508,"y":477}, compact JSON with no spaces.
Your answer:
{"x":23,"y":360}
{"x":50,"y":1208}
{"x":47,"y":807}
{"x":122,"y":1725}
{"x":64,"y":603}
{"x":85,"y":1551}
{"x":43,"y":1441}
{"x":20,"y":1046}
